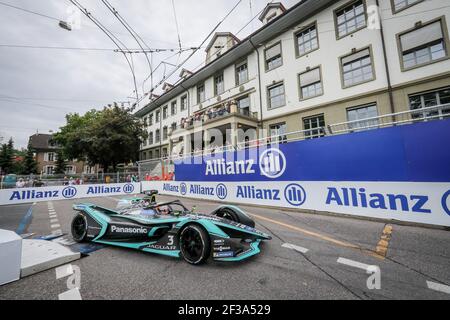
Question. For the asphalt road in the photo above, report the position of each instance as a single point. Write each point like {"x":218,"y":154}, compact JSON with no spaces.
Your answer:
{"x":306,"y":267}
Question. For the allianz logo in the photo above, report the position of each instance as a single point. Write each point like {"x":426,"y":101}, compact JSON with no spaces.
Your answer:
{"x":360,"y":198}
{"x":272,"y":164}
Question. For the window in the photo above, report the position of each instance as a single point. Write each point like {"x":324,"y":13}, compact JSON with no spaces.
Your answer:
{"x":164,"y":152}
{"x":241,"y":73}
{"x":278,"y":132}
{"x":150,"y":138}
{"x":144,"y":143}
{"x":150,"y":155}
{"x":314,"y":126}
{"x":145,"y":123}
{"x":273,"y":57}
{"x":157,"y":153}
{"x":157,"y":136}
{"x":173,"y":108}
{"x":307,"y":40}
{"x":165,"y":112}
{"x":174,"y":126}
{"x":71,"y":170}
{"x":350,"y":19}
{"x":157,"y":116}
{"x":201,"y":93}
{"x":310,"y":84}
{"x":359,"y":114}
{"x":165,"y":132}
{"x":422,"y":46}
{"x":48,"y":170}
{"x":243,"y":105}
{"x":276,"y":96}
{"x":219,"y":86}
{"x":144,"y":155}
{"x":150,"y":120}
{"x":357,"y":68}
{"x":429,"y":100}
{"x":399,"y":5}
{"x":183,"y":103}
{"x":50,"y":157}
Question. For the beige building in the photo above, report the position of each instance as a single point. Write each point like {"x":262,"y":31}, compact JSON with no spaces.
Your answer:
{"x":46,"y":155}
{"x":308,"y":69}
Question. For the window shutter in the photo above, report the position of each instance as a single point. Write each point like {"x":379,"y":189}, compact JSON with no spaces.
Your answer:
{"x":310,"y":77}
{"x":356,"y":56}
{"x":273,"y":52}
{"x":419,"y":37}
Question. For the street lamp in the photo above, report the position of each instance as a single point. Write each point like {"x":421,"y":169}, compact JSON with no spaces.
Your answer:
{"x":65,"y":25}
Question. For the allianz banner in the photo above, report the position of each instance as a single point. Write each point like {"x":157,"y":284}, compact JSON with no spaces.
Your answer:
{"x":424,"y":203}
{"x":30,"y":195}
{"x":408,"y":153}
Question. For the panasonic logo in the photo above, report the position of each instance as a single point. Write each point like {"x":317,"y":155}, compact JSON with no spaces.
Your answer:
{"x":221,"y":167}
{"x":140,"y":230}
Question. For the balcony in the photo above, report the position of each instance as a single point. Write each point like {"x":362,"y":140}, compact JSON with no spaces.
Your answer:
{"x":225,"y":110}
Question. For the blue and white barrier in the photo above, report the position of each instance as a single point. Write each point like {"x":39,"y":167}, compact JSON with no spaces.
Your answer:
{"x":424,"y":203}
{"x":29,"y":195}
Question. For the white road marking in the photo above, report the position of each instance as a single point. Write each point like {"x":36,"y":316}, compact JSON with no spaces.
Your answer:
{"x":57,"y":232}
{"x":54,"y":226}
{"x":53,"y":216}
{"x":294,"y":247}
{"x":64,"y":271}
{"x":73,"y":294}
{"x":438,"y":287}
{"x":354,"y":264}
{"x":54,"y":221}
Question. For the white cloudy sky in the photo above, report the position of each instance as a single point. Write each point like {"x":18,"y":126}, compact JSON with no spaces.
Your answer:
{"x":38,"y":87}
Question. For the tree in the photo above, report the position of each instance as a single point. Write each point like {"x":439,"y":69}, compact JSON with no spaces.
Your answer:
{"x":61,"y":164}
{"x":6,"y":157}
{"x":29,"y":162}
{"x":108,"y":137}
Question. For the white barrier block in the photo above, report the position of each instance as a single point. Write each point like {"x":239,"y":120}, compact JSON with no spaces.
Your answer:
{"x":40,"y":255}
{"x":10,"y":256}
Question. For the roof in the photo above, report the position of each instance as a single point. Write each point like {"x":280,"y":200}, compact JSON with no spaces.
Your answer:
{"x":293,"y":16}
{"x":41,"y":141}
{"x":221,"y":34}
{"x":270,"y":6}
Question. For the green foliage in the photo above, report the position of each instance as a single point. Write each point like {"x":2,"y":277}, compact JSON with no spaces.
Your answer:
{"x":29,"y":162}
{"x":108,"y":137}
{"x":6,"y":157}
{"x":61,"y":164}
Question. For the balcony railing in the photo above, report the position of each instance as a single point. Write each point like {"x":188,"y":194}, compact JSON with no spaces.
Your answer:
{"x":439,"y":112}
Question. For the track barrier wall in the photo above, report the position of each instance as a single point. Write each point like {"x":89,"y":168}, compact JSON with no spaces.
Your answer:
{"x":398,"y":173}
{"x":30,"y":195}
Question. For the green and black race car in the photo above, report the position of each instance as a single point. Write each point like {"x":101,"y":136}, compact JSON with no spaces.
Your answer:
{"x":170,"y":229}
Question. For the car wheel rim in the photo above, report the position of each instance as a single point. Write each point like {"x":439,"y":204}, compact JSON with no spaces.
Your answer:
{"x":192,"y":245}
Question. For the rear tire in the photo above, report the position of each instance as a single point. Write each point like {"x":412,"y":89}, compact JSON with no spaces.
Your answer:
{"x":79,"y":228}
{"x":195,"y":244}
{"x":230,"y":214}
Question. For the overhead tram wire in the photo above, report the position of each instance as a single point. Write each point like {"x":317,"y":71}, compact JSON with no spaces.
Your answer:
{"x":28,"y":11}
{"x":176,"y":23}
{"x":133,"y":50}
{"x":129,"y":29}
{"x":111,"y":37}
{"x":201,"y":45}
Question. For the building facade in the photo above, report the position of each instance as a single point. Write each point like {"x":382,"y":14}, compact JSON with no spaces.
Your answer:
{"x":46,"y":156}
{"x":317,"y":64}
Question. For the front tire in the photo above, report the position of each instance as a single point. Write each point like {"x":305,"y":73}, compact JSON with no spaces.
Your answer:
{"x":195,"y":244}
{"x":79,"y":228}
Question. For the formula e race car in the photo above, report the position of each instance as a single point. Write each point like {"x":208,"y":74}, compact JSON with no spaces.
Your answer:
{"x":170,"y":229}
